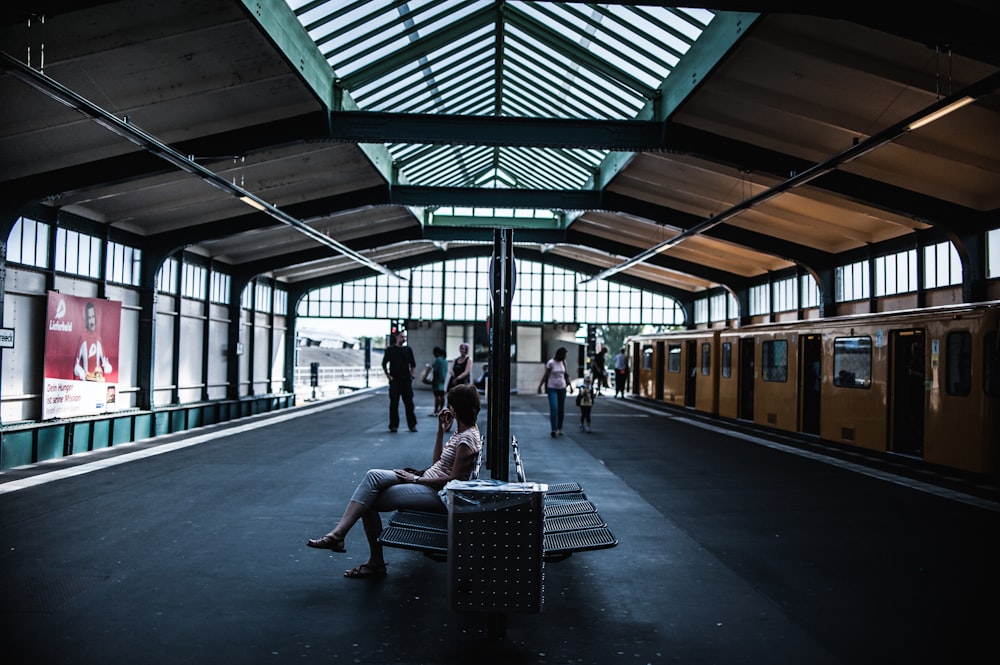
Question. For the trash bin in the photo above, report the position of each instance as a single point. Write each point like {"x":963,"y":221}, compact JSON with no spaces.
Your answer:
{"x":495,"y":539}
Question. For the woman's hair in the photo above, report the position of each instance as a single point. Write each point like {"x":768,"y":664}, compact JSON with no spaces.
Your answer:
{"x":464,"y":398}
{"x":561,"y":353}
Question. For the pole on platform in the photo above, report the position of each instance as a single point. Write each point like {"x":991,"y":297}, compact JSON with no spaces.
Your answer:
{"x":501,"y":279}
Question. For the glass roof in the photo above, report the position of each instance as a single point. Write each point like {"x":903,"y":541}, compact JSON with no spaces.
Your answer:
{"x":500,"y":58}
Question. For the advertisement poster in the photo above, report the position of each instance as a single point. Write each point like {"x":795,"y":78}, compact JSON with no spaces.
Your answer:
{"x":81,"y":356}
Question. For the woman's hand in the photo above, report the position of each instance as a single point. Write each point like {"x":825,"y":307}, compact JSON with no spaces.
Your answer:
{"x":445,"y":419}
{"x":405,"y":475}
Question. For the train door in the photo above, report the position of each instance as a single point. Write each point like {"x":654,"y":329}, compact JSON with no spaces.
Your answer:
{"x":810,"y":382}
{"x":690,"y":371}
{"x":747,"y":378}
{"x":660,"y":356}
{"x":907,"y":392}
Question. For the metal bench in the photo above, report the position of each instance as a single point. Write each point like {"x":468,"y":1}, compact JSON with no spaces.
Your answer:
{"x":571,"y":523}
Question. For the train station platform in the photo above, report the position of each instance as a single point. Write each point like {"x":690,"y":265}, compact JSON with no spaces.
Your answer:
{"x":734,"y":547}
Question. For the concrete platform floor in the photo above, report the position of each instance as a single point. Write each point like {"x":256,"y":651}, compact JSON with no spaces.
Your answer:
{"x":735,"y":547}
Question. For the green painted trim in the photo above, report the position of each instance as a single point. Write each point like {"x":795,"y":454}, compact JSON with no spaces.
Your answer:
{"x":101,"y":433}
{"x":715,"y":43}
{"x":161,"y":423}
{"x":50,"y":443}
{"x":32,"y":443}
{"x":718,"y":39}
{"x":142,"y":426}
{"x":121,"y":430}
{"x":178,"y":420}
{"x":80,"y":438}
{"x":463,"y":221}
{"x":17,"y":449}
{"x":282,"y":27}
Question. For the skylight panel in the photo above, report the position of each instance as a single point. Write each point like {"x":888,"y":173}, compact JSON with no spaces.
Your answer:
{"x":559,"y":60}
{"x":600,"y":92}
{"x":583,"y":99}
{"x":413,"y":79}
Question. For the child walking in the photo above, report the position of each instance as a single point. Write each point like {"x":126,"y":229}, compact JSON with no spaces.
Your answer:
{"x":585,"y":400}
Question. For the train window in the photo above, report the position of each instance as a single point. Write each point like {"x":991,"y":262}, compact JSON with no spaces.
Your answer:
{"x":958,"y":363}
{"x":674,"y":358}
{"x":647,"y":357}
{"x":852,"y":362}
{"x":727,"y":359}
{"x":774,"y":357}
{"x":706,"y":359}
{"x":991,"y":364}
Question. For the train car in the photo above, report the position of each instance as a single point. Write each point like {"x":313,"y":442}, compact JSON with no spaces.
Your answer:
{"x":680,"y":368}
{"x":920,"y":383}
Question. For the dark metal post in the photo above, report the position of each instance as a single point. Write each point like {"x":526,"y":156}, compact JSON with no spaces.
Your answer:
{"x":501,"y":280}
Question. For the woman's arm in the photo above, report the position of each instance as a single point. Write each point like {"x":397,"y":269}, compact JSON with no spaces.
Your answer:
{"x":445,"y":419}
{"x":465,"y":459}
{"x":545,"y":377}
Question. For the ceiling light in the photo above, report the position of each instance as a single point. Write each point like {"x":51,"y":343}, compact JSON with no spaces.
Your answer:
{"x":940,"y":113}
{"x":253,"y":203}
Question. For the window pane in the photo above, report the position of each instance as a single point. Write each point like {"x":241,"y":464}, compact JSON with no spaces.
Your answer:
{"x":647,"y":357}
{"x":774,"y":358}
{"x":991,"y":364}
{"x":852,"y":362}
{"x":674,"y":358}
{"x":958,"y":363}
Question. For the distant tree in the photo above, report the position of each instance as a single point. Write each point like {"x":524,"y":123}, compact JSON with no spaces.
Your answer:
{"x":613,"y":336}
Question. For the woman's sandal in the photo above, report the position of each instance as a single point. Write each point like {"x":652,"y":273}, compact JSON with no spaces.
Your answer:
{"x":327,"y":542}
{"x":366,"y":571}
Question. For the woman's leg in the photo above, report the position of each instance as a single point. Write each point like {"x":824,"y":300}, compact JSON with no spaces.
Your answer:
{"x":374,"y":483}
{"x":397,"y":497}
{"x":553,"y":407}
{"x":561,"y":400}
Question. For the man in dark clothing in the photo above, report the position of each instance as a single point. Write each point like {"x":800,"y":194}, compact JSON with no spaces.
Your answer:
{"x":399,"y":366}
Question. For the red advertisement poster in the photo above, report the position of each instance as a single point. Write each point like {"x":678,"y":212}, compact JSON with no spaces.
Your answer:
{"x":81,"y":356}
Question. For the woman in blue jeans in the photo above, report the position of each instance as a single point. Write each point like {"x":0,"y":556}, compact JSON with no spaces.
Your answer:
{"x":556,"y":382}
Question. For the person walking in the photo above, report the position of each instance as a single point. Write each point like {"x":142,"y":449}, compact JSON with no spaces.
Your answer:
{"x":399,"y":366}
{"x":461,"y":367}
{"x":439,"y":378}
{"x":585,"y":400}
{"x":598,"y":368}
{"x":556,"y":383}
{"x":621,"y":372}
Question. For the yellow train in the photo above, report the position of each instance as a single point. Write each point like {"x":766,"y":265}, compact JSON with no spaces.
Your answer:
{"x":921,"y":383}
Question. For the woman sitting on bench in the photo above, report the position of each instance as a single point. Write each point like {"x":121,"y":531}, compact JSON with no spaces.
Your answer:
{"x":383,"y":490}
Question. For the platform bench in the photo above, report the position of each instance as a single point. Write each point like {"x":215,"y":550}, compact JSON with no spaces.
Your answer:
{"x":571,"y":523}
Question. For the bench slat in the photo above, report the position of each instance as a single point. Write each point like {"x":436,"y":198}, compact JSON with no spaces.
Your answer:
{"x":562,"y":543}
{"x":422,"y":540}
{"x":563,"y":508}
{"x":563,"y":488}
{"x":573,"y":522}
{"x":580,"y":540}
{"x":413,"y":519}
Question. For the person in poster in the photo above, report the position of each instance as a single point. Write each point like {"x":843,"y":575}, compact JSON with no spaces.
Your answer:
{"x":91,"y":363}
